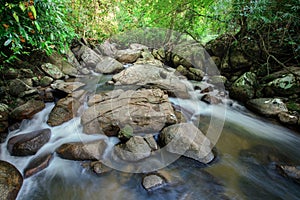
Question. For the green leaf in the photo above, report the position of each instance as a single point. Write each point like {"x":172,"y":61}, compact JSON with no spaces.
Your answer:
{"x":22,"y":6}
{"x":37,"y":26}
{"x":16,"y":17}
{"x":7,"y":42}
{"x":32,"y":8}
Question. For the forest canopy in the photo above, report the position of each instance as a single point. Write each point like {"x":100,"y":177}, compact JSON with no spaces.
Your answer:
{"x":52,"y":24}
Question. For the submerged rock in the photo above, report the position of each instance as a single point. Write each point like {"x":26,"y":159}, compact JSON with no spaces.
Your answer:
{"x":82,"y":150}
{"x":37,"y":164}
{"x":145,"y":110}
{"x":28,"y":143}
{"x":27,"y":110}
{"x":187,"y":140}
{"x":267,"y":106}
{"x":64,"y":110}
{"x":292,"y":172}
{"x":10,"y":181}
{"x":153,"y":181}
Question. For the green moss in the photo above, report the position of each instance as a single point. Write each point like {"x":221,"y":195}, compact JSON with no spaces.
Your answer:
{"x":293,"y":106}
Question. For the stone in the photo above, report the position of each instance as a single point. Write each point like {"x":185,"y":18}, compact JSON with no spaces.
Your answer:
{"x":135,"y":149}
{"x":151,"y":142}
{"x":67,"y":87}
{"x":97,"y":98}
{"x":26,"y":73}
{"x":27,"y":110}
{"x":285,"y":85}
{"x":64,"y":110}
{"x":127,"y":55}
{"x":269,"y":107}
{"x":37,"y":164}
{"x":187,"y":140}
{"x":238,"y":60}
{"x":65,"y":66}
{"x":153,"y":181}
{"x":17,"y":86}
{"x":12,"y":73}
{"x":218,"y":80}
{"x":287,"y":118}
{"x":99,"y":168}
{"x":292,"y":172}
{"x":136,"y":46}
{"x":145,"y":110}
{"x":109,"y":66}
{"x":46,"y":81}
{"x":244,"y":87}
{"x":89,"y":57}
{"x":107,"y":48}
{"x":125,"y":133}
{"x":52,"y":70}
{"x":28,"y":143}
{"x":82,"y":150}
{"x":11,"y":181}
{"x":207,"y":98}
{"x":4,"y":112}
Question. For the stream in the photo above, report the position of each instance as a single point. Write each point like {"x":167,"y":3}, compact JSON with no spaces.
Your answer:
{"x":247,"y":148}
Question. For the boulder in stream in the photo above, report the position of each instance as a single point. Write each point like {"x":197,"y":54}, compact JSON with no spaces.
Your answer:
{"x":292,"y":172}
{"x":187,"y":140}
{"x":37,"y":164}
{"x":82,"y":150}
{"x":153,"y":181}
{"x":28,"y":143}
{"x":269,"y":107}
{"x":128,"y":55}
{"x":109,"y":66}
{"x":27,"y":110}
{"x":67,"y":87}
{"x":11,"y":181}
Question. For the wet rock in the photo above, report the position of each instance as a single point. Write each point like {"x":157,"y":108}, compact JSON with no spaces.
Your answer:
{"x":128,"y":55}
{"x":287,"y":118}
{"x":286,"y":85}
{"x":64,"y":110}
{"x":207,"y":98}
{"x":145,"y":110}
{"x":191,"y":73}
{"x":46,"y":81}
{"x":151,"y":142}
{"x":153,"y":181}
{"x":52,"y":70}
{"x":11,"y":181}
{"x":28,"y":143}
{"x":218,"y":80}
{"x":99,"y":168}
{"x":66,"y":67}
{"x":37,"y":164}
{"x":46,"y":95}
{"x":67,"y":87}
{"x":125,"y":133}
{"x":97,"y":98}
{"x":17,"y":87}
{"x":187,"y":140}
{"x":82,"y":150}
{"x":109,"y":66}
{"x":89,"y":57}
{"x":267,"y":106}
{"x":151,"y":76}
{"x":135,"y":149}
{"x":244,"y":87}
{"x":27,"y":110}
{"x":292,"y":172}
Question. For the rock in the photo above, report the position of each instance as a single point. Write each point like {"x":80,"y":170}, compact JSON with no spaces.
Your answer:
{"x":82,"y":150}
{"x":153,"y":181}
{"x":109,"y":66}
{"x":154,"y":76}
{"x":285,"y":86}
{"x":17,"y":87}
{"x":67,"y":87}
{"x":128,"y":55}
{"x":287,"y":118}
{"x":125,"y":133}
{"x":244,"y":87}
{"x":4,"y":112}
{"x":145,"y":110}
{"x":267,"y":106}
{"x":107,"y":49}
{"x":37,"y":164}
{"x":136,"y":46}
{"x":67,"y":68}
{"x":97,"y":98}
{"x":46,"y":81}
{"x":218,"y":80}
{"x":207,"y":98}
{"x":238,"y":60}
{"x":12,"y":73}
{"x":10,"y":181}
{"x":64,"y":110}
{"x":52,"y":70}
{"x":99,"y":168}
{"x":151,"y":142}
{"x":27,"y":110}
{"x":187,"y":140}
{"x":26,"y":73}
{"x":135,"y":149}
{"x":191,"y":73}
{"x":292,"y":172}
{"x":28,"y":143}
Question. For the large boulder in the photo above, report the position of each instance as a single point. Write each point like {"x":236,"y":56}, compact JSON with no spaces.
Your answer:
{"x":27,"y":110}
{"x":128,"y":55}
{"x":52,"y":70}
{"x":18,"y":87}
{"x":63,"y":64}
{"x":269,"y":107}
{"x":285,"y":85}
{"x":244,"y":87}
{"x":145,"y":110}
{"x":10,"y":181}
{"x":82,"y":150}
{"x":28,"y":143}
{"x":64,"y":110}
{"x":109,"y":66}
{"x":153,"y":181}
{"x":107,"y":49}
{"x":187,"y":140}
{"x":67,"y":87}
{"x":191,"y":73}
{"x":37,"y":164}
{"x":154,"y":76}
{"x":135,"y":149}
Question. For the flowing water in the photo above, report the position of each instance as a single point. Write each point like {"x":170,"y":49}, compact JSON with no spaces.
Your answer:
{"x":248,"y":147}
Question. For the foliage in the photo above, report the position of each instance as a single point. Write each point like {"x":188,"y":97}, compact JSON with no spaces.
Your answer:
{"x":32,"y":24}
